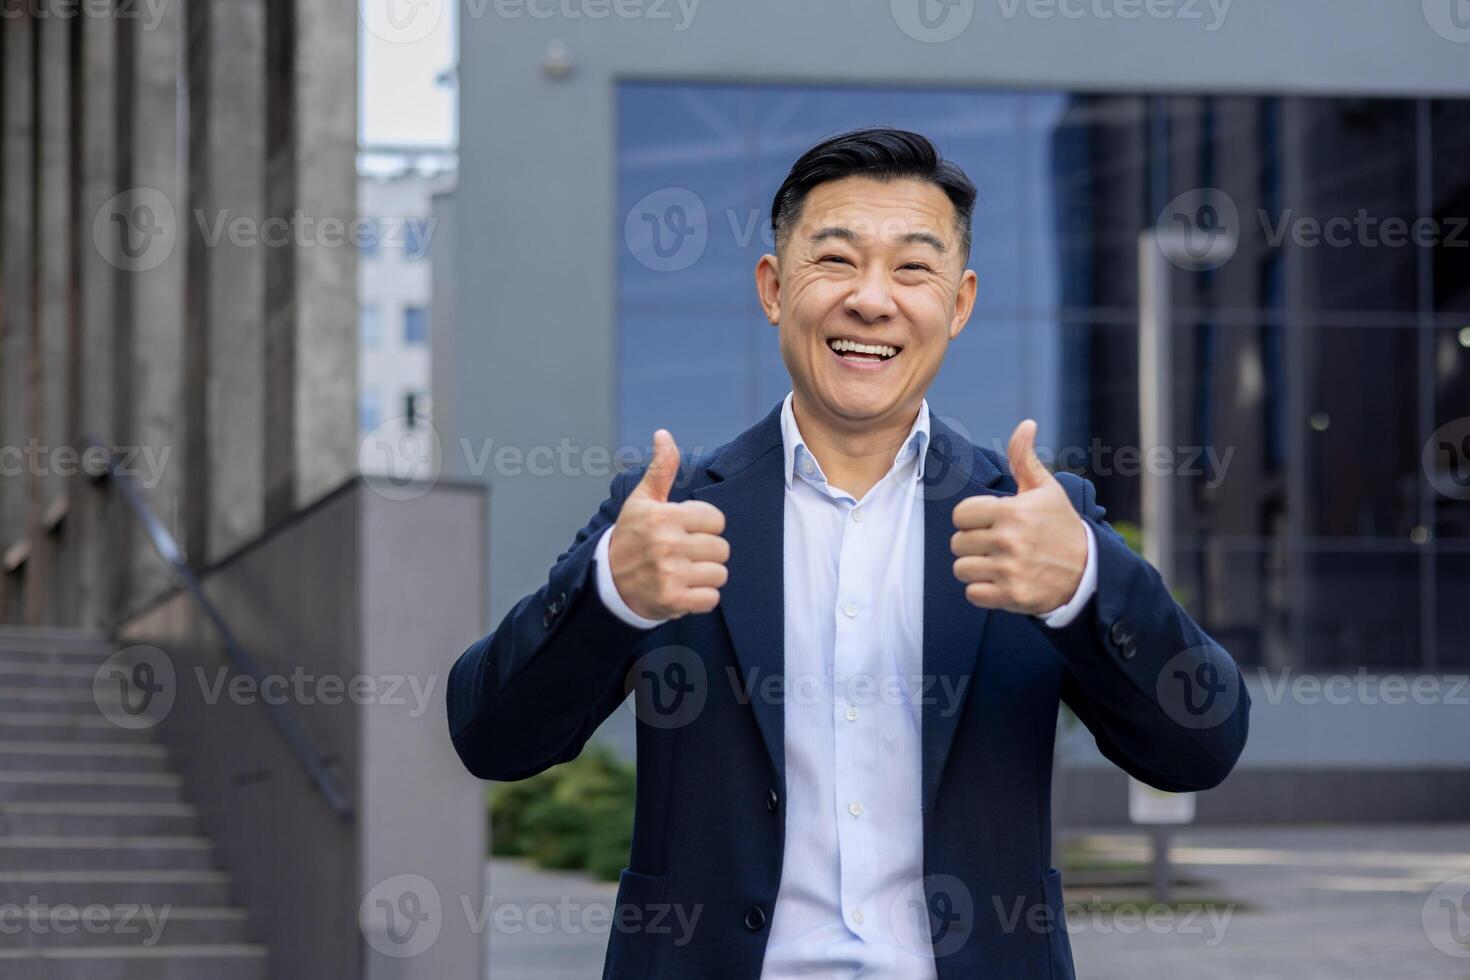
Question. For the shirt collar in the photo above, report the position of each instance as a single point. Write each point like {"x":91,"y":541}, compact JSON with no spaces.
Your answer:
{"x":916,"y":444}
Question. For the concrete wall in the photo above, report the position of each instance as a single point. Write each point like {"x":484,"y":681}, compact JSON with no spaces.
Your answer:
{"x":360,"y":589}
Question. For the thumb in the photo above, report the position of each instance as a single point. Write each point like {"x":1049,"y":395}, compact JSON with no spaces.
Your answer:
{"x":658,"y":479}
{"x":1025,"y":466}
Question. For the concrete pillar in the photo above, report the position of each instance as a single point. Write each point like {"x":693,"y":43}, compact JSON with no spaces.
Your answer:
{"x":311,"y":342}
{"x":50,"y":572}
{"x":17,"y":105}
{"x":96,"y":514}
{"x":148,"y":222}
{"x":226,"y":291}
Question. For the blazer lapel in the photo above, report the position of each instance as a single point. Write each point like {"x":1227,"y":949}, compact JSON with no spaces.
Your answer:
{"x":953,"y":470}
{"x":750,"y":490}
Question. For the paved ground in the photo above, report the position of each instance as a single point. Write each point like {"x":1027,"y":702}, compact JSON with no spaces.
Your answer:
{"x":1329,"y":903}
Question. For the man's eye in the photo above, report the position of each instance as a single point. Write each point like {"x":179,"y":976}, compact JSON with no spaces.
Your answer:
{"x":833,"y":258}
{"x":916,"y":266}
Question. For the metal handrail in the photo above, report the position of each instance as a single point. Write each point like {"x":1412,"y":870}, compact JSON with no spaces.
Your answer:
{"x":168,"y":549}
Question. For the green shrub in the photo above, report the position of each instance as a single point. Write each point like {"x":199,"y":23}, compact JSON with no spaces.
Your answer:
{"x":575,"y":816}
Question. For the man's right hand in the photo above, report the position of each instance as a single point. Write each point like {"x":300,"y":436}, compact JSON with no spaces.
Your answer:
{"x":667,"y":559}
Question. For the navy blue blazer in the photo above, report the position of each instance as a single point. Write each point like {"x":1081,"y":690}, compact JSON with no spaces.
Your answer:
{"x":1162,"y":699}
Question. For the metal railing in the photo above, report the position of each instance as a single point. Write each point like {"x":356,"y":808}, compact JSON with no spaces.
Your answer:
{"x":163,"y":542}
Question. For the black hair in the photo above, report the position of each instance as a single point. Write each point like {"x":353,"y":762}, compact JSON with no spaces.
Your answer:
{"x":881,"y":154}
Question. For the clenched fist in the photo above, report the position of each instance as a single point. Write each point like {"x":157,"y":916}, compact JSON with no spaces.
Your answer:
{"x":666,"y":559}
{"x":1024,"y":553}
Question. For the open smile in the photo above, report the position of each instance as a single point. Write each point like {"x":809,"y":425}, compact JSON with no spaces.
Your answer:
{"x":857,"y":354}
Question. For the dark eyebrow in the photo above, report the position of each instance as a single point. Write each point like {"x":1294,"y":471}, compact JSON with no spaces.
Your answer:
{"x":848,"y":235}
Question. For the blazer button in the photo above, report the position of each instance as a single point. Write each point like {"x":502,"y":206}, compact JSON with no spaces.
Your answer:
{"x":557,"y":604}
{"x":755,"y":918}
{"x":772,"y":800}
{"x":1129,"y":649}
{"x":1120,"y":634}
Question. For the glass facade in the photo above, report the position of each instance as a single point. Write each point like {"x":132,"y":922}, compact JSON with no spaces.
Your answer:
{"x":1310,"y":370}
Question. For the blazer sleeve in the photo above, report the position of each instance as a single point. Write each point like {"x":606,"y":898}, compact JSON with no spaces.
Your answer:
{"x":530,"y":694}
{"x":1163,"y":700}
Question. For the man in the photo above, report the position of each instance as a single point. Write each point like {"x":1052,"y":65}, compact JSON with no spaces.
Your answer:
{"x":849,"y":631}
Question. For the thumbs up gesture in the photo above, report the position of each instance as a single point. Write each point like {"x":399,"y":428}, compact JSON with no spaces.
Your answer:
{"x":1025,"y":553}
{"x":668,"y":559}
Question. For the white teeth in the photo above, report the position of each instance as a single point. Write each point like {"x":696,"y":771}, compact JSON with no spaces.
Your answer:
{"x":882,"y":350}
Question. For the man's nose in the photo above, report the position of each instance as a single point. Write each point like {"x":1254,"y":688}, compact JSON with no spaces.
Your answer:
{"x":871,"y":299}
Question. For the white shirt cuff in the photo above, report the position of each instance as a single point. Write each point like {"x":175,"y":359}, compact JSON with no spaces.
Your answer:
{"x":609,"y":591}
{"x":1063,"y":615}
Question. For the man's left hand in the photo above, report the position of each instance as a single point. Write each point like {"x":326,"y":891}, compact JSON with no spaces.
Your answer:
{"x":1024,"y":553}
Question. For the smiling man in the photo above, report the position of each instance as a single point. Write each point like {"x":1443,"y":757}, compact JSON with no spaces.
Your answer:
{"x":848,"y":633}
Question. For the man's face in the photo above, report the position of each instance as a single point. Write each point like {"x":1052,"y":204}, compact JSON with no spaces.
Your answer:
{"x":871,"y":263}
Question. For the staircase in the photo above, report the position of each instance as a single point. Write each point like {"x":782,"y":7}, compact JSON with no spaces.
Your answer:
{"x":103,"y":872}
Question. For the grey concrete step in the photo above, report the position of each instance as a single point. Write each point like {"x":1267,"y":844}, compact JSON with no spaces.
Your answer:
{"x":46,"y":643}
{"x":32,"y":698}
{"x":220,"y":961}
{"x":21,"y":672}
{"x":78,"y":756}
{"x":74,"y":852}
{"x":101,"y":787}
{"x":94,"y":887}
{"x":133,"y":924}
{"x":98,"y":818}
{"x":75,"y":724}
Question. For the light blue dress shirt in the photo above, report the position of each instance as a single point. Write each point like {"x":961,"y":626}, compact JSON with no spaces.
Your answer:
{"x":851,"y":901}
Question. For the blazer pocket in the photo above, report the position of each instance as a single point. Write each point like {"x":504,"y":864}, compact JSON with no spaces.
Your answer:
{"x":630,"y":944}
{"x":1062,"y":967}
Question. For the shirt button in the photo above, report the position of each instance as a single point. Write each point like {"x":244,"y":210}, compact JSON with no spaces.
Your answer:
{"x":850,"y":609}
{"x":857,"y":514}
{"x":857,"y":916}
{"x":851,"y":713}
{"x":806,"y":466}
{"x":855,"y":808}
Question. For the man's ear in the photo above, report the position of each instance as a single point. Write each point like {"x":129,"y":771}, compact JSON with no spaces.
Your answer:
{"x":768,"y":286}
{"x":964,"y":302}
